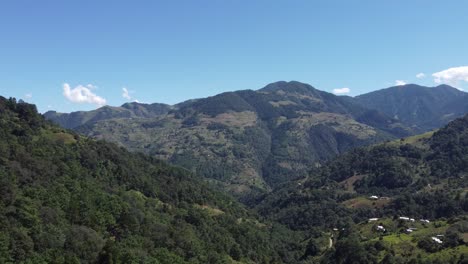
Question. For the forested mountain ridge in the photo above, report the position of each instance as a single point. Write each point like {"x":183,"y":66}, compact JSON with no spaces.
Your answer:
{"x":127,"y":110}
{"x":421,"y":177}
{"x":251,"y":141}
{"x":422,"y":108}
{"x":65,"y":198}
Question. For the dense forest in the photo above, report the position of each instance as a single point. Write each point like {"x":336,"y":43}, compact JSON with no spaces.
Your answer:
{"x":65,"y":198}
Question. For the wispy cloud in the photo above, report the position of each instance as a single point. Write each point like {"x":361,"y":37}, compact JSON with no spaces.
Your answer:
{"x":126,"y":93}
{"x":452,"y":76}
{"x":400,"y":82}
{"x":420,"y":75}
{"x":82,"y":94}
{"x":344,"y":90}
{"x":28,"y":96}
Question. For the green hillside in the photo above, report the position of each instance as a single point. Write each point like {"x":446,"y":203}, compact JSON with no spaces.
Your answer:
{"x":421,"y":177}
{"x":65,"y":198}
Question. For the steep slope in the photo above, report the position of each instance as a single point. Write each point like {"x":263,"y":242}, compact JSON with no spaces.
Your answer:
{"x":423,"y":108}
{"x":421,"y":177}
{"x":127,"y":110}
{"x":250,"y":141}
{"x":459,"y":106}
{"x":432,"y":162}
{"x":65,"y":198}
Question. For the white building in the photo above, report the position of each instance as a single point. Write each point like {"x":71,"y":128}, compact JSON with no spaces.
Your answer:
{"x":380,"y":228}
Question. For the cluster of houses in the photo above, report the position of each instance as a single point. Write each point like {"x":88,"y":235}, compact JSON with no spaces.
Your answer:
{"x":381,"y":228}
{"x":404,"y":218}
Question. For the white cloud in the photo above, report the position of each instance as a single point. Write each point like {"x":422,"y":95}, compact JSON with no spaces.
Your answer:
{"x":400,"y":82}
{"x":92,"y":87}
{"x":82,"y":94}
{"x":28,"y":96}
{"x":126,"y":94}
{"x":452,"y":76}
{"x":420,"y":75}
{"x":344,"y":90}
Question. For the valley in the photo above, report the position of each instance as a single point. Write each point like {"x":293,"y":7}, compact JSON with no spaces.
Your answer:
{"x":247,"y":142}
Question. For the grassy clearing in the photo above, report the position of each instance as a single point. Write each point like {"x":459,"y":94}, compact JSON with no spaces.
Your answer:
{"x":58,"y":137}
{"x":348,"y":184}
{"x":449,"y":253}
{"x":464,"y":236}
{"x":210,"y":210}
{"x":364,"y":202}
{"x":417,"y":140}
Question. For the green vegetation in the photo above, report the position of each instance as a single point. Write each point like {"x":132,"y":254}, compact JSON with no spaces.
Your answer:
{"x":421,"y":179}
{"x":68,"y":198}
{"x":65,"y":198}
{"x":248,"y":142}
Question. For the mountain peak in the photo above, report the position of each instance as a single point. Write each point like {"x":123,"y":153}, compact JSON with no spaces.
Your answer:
{"x":412,"y":89}
{"x":409,"y":85}
{"x":420,"y":87}
{"x":446,"y":87}
{"x":291,"y":86}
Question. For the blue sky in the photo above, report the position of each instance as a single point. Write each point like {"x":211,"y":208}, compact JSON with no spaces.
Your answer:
{"x":170,"y":51}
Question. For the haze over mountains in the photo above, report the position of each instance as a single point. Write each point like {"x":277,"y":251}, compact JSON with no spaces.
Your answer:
{"x":422,"y":108}
{"x":251,"y":141}
{"x":127,"y":110}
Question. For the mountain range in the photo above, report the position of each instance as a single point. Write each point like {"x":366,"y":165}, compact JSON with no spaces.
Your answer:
{"x":248,"y":142}
{"x":419,"y":107}
{"x":68,"y":198}
{"x":127,"y":110}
